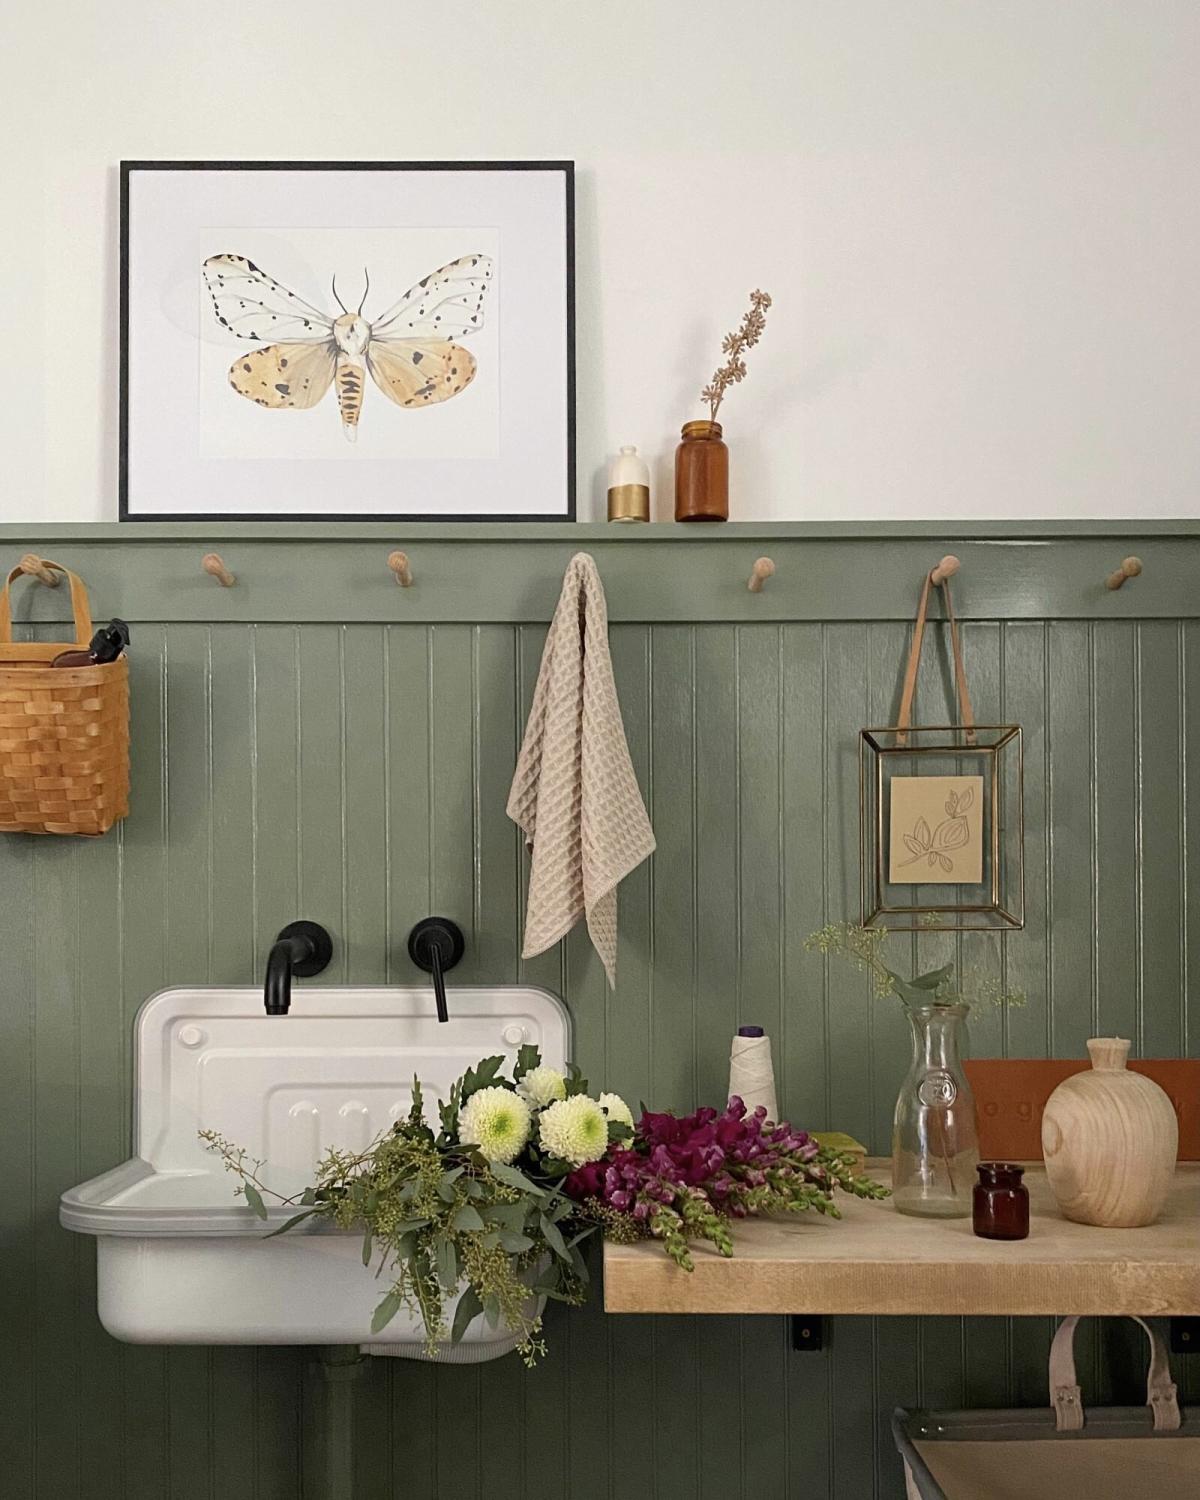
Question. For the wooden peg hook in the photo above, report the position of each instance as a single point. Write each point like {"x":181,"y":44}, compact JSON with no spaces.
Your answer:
{"x":1130,"y":568}
{"x":763,"y":569}
{"x":398,"y":562}
{"x":948,"y":566}
{"x":33,"y":565}
{"x":214,"y":565}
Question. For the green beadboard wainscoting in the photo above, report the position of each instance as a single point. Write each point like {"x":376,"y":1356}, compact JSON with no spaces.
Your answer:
{"x":319,"y":742}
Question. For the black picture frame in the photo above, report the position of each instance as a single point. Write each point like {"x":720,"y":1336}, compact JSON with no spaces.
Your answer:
{"x":567,"y":168}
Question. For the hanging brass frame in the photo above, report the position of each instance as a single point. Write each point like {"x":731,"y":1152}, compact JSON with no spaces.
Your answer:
{"x":923,"y":918}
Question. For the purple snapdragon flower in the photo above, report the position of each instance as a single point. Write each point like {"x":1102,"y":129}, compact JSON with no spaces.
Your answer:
{"x":719,"y":1157}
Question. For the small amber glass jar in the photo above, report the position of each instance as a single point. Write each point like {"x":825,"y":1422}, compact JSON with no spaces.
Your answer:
{"x":1000,"y":1202}
{"x":701,"y":474}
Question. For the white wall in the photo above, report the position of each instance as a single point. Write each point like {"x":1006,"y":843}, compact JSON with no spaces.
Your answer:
{"x":978,"y":221}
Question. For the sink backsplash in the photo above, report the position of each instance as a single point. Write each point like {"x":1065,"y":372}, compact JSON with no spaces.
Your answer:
{"x":350,"y":762}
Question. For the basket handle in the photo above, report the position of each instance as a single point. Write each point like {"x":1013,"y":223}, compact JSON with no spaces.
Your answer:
{"x":904,"y":719}
{"x":1065,"y":1397}
{"x":79,"y":604}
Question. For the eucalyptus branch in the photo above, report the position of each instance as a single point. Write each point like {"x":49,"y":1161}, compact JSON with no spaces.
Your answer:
{"x":863,"y":947}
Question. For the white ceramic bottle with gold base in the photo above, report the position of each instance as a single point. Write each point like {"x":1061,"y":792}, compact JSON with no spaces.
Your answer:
{"x":629,"y":487}
{"x":1110,"y":1137}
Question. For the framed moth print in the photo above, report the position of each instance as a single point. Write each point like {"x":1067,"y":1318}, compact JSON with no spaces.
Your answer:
{"x":347,"y":341}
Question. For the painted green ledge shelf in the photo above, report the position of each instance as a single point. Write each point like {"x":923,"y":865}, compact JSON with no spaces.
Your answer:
{"x":510,"y":574}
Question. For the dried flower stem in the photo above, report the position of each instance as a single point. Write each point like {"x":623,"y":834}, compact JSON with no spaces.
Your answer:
{"x":734,"y":345}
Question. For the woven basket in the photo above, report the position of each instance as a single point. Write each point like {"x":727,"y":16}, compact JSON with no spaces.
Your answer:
{"x":64,"y":731}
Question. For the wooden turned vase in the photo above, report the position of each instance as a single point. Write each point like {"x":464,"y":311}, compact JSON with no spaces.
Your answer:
{"x":1109,"y":1138}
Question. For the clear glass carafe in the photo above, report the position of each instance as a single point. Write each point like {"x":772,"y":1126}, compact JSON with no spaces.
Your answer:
{"x":935,"y":1147}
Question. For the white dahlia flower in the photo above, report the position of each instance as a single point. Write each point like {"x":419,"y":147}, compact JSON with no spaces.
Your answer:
{"x":497,"y":1121}
{"x":542,"y":1086}
{"x":574,"y":1129}
{"x":616,"y":1109}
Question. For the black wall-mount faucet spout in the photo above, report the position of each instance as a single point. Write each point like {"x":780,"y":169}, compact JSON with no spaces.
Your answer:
{"x":301,"y":950}
{"x":436,"y":944}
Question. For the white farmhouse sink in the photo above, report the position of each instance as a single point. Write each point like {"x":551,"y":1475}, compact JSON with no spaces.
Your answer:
{"x":180,"y":1260}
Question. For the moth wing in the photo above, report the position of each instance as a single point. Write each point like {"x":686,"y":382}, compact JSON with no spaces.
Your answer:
{"x":284,"y":375}
{"x":255,"y":306}
{"x":420,"y":372}
{"x":446,"y":304}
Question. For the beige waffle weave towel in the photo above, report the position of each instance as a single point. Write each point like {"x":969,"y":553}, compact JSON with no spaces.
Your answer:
{"x":574,"y":794}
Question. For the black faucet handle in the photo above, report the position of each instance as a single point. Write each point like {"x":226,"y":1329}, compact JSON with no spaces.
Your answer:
{"x":436,"y":944}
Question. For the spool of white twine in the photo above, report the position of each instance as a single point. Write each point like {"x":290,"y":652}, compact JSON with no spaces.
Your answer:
{"x":751,"y":1075}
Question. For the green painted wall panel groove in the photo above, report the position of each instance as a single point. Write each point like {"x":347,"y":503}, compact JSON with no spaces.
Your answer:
{"x":355,"y":771}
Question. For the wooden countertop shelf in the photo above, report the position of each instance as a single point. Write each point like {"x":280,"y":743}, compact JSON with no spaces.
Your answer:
{"x":875,"y":1260}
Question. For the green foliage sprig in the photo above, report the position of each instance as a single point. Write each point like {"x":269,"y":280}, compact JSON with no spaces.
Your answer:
{"x":863,"y":947}
{"x":438,"y":1217}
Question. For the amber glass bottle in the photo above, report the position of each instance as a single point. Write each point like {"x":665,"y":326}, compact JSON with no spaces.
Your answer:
{"x":1000,"y":1204}
{"x":701,"y":474}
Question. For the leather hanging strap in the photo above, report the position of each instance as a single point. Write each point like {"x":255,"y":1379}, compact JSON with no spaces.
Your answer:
{"x":1161,"y":1395}
{"x":44,"y":650}
{"x":965,"y":711}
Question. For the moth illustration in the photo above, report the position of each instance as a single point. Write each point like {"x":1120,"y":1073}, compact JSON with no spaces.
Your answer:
{"x":409,"y":349}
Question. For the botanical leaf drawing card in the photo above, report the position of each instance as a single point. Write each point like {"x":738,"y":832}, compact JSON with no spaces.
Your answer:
{"x":936,"y":830}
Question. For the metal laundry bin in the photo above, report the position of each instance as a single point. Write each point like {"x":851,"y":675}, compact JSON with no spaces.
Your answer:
{"x":1149,"y":1452}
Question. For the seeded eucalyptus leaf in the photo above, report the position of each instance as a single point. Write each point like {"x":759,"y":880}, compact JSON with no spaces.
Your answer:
{"x":446,"y":1186}
{"x":910,"y":993}
{"x":558,"y":1296}
{"x":366,"y":1245}
{"x":468,"y":1309}
{"x":385,"y":1312}
{"x":514,"y":1243}
{"x":466,"y":1219}
{"x":553,"y":1236}
{"x":491,"y":1310}
{"x":447,"y":1262}
{"x":513,"y":1178}
{"x":254,"y":1199}
{"x":933,"y":978}
{"x":290,"y":1224}
{"x":508,"y":1215}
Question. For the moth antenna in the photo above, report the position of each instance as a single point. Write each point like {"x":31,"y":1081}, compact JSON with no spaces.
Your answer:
{"x":366,"y":289}
{"x":336,"y":298}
